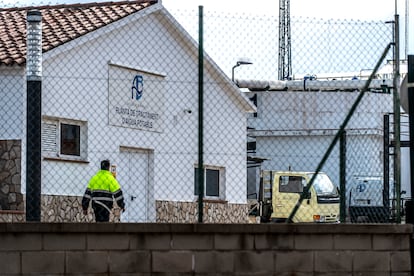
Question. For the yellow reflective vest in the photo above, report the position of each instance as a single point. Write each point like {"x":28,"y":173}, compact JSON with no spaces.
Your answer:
{"x":103,"y":189}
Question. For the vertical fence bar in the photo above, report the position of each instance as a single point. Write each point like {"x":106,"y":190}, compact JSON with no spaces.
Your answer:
{"x":409,"y":207}
{"x":200,"y":115}
{"x":410,"y":87}
{"x":342,"y":176}
{"x":397,"y":130}
{"x":386,"y":162}
{"x":34,"y":98}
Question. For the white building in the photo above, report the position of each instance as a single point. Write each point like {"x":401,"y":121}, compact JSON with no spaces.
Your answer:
{"x":297,"y":120}
{"x":120,"y":81}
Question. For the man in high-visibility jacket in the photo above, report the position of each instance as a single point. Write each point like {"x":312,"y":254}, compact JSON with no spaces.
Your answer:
{"x":102,"y":190}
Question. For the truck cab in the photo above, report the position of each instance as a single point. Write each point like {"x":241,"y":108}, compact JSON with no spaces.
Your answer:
{"x":281,"y":190}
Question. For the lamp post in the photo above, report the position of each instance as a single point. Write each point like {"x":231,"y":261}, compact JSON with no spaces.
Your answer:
{"x":239,"y":62}
{"x":34,"y":98}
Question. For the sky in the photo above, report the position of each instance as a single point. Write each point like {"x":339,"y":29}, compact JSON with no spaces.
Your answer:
{"x":365,"y":10}
{"x":356,"y":9}
{"x":349,"y":9}
{"x":326,"y":9}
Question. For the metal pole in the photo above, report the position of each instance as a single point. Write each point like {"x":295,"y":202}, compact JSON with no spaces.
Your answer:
{"x":34,"y":97}
{"x":342,"y":176}
{"x":386,"y":162}
{"x":200,"y":115}
{"x":410,"y":88}
{"x":397,"y":119}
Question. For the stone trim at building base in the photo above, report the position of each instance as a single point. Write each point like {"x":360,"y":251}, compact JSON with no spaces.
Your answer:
{"x":213,"y":212}
{"x":57,"y":208}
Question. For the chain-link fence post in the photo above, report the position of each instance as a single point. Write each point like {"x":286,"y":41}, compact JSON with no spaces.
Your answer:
{"x":342,"y":176}
{"x":200,"y":116}
{"x":397,"y":130}
{"x":410,"y":77}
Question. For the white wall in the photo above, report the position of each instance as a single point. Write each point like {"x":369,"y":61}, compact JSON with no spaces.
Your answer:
{"x":319,"y":110}
{"x":12,"y":102}
{"x":295,"y":130}
{"x":76,"y":86}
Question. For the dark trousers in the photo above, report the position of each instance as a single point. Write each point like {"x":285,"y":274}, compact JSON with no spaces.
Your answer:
{"x":101,"y":213}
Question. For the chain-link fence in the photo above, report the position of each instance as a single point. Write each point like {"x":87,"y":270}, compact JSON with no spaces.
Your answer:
{"x":122,"y":81}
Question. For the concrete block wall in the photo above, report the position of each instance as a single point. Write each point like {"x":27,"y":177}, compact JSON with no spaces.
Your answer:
{"x":204,"y":249}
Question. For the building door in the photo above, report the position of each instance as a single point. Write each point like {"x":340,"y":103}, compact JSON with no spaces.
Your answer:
{"x":133,"y":176}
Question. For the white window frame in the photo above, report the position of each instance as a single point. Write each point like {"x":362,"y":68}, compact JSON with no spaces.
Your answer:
{"x":221,"y":180}
{"x":51,"y":138}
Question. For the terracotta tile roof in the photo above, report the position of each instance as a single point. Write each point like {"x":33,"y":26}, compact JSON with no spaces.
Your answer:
{"x":61,"y":23}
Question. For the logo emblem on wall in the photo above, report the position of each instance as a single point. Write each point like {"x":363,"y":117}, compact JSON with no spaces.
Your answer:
{"x":137,"y":87}
{"x":361,"y":188}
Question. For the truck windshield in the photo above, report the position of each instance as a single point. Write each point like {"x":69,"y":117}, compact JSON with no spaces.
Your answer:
{"x":324,"y":186}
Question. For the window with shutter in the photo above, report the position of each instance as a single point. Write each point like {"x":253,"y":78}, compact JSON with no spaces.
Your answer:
{"x":49,"y":138}
{"x":65,"y":139}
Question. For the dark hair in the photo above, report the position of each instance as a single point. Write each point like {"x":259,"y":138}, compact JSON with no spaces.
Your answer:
{"x":105,"y":165}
